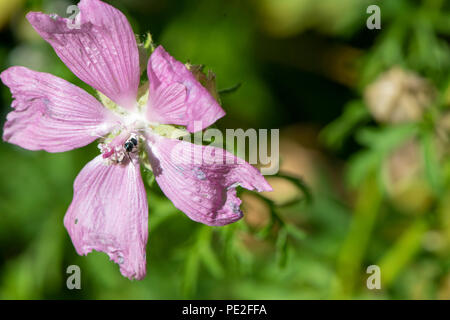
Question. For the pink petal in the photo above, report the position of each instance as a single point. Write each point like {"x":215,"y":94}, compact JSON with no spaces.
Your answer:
{"x":109,"y":213}
{"x":176,"y":97}
{"x":50,"y":113}
{"x":203,"y":188}
{"x":102,"y":52}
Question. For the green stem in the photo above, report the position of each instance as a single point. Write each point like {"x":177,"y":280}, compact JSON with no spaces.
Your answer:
{"x":351,"y":256}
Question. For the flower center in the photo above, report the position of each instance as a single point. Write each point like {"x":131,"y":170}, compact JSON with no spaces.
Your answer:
{"x":121,"y":148}
{"x":121,"y":145}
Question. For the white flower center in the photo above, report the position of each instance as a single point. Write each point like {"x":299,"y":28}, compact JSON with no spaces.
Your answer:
{"x":134,"y":126}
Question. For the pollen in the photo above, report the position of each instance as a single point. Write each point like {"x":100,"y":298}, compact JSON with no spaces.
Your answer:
{"x":117,"y":149}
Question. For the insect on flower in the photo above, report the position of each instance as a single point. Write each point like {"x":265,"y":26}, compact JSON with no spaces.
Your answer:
{"x":109,"y":210}
{"x":131,"y":144}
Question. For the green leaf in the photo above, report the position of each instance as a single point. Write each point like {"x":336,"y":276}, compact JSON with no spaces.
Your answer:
{"x":387,"y":138}
{"x":380,"y":142}
{"x":207,"y":254}
{"x":351,"y":257}
{"x":360,"y":165}
{"x":282,"y":247}
{"x":230,"y":89}
{"x":149,"y":177}
{"x":433,"y":170}
{"x":403,"y":251}
{"x":335,"y":134}
{"x":191,"y":270}
{"x":299,"y":183}
{"x":295,"y":231}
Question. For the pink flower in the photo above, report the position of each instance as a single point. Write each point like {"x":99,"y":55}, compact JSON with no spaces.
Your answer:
{"x":109,"y":209}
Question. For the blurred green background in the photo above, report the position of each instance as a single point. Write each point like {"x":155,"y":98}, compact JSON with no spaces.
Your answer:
{"x":364,"y":122}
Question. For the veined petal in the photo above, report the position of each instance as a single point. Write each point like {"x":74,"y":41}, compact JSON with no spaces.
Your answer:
{"x":201,"y":180}
{"x":176,"y":97}
{"x":50,"y":113}
{"x":102,"y":51}
{"x":109,"y":213}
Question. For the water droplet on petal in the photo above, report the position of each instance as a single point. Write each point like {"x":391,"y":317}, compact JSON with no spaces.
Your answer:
{"x":199,"y":174}
{"x":180,"y":170}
